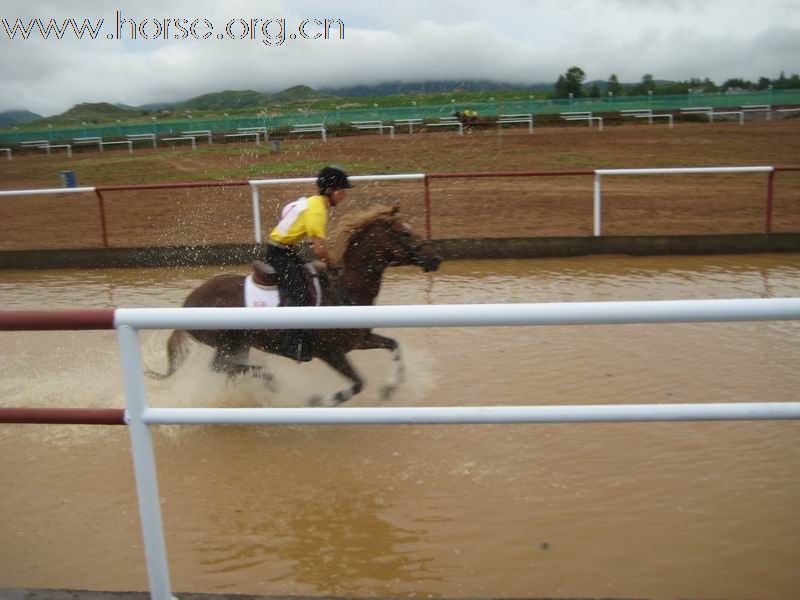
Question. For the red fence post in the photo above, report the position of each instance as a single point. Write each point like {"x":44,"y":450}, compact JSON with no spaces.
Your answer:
{"x":101,"y":205}
{"x":770,"y":193}
{"x":427,"y":208}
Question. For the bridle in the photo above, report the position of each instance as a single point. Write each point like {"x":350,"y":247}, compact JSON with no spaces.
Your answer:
{"x":414,"y":247}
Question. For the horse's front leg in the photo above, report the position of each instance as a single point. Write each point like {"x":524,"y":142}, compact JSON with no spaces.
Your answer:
{"x":339,"y":361}
{"x":374,"y":341}
{"x":234,"y":364}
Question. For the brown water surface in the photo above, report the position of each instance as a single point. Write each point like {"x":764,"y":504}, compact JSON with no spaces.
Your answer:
{"x":662,"y":511}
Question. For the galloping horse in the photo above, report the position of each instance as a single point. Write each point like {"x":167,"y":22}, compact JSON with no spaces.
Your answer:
{"x":370,"y":242}
{"x":470,"y":121}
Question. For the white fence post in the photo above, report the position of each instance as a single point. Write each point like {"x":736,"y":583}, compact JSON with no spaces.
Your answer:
{"x":597,"y":203}
{"x":139,"y":416}
{"x":255,"y":184}
{"x":144,"y":464}
{"x":256,"y":214}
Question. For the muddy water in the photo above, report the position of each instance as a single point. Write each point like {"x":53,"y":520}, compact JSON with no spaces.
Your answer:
{"x":662,"y":511}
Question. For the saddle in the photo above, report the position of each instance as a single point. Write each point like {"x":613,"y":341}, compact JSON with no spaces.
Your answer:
{"x":264,"y":276}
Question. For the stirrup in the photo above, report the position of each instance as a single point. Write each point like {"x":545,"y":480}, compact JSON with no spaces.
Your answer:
{"x":302,"y":353}
{"x":296,"y":350}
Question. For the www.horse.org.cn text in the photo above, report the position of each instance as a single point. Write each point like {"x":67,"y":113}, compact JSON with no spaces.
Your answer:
{"x":270,"y":32}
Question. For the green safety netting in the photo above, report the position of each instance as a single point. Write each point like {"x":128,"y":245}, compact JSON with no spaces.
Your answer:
{"x":343,"y":116}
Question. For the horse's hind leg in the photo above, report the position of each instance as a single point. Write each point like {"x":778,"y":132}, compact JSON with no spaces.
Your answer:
{"x":233,"y":363}
{"x":339,"y":362}
{"x":375,"y":341}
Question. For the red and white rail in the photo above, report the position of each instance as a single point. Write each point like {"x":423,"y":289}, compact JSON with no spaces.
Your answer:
{"x":139,"y":416}
{"x":257,"y":184}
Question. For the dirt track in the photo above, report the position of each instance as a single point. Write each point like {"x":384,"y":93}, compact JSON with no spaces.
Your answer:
{"x":550,"y":206}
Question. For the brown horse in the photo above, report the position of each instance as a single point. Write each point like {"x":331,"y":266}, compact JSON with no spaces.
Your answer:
{"x":368,"y":244}
{"x":471,"y":121}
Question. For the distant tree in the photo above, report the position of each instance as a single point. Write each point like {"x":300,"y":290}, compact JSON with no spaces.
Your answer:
{"x":561,"y":88}
{"x":614,"y":85}
{"x":786,"y":83}
{"x":594,"y":91}
{"x":647,"y":84}
{"x":763,"y":83}
{"x":575,"y":77}
{"x":672,"y":88}
{"x":701,"y":86}
{"x":570,"y":82}
{"x":710,"y":86}
{"x":737,"y":83}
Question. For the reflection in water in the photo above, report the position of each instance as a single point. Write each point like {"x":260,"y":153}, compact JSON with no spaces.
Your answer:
{"x":338,"y":540}
{"x":546,"y":280}
{"x":584,"y":510}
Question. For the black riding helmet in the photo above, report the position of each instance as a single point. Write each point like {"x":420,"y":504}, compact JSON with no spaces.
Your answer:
{"x":331,"y":179}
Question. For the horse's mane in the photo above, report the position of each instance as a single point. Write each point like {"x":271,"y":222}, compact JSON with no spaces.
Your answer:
{"x":350,"y":225}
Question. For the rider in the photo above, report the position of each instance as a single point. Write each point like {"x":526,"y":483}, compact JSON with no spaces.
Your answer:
{"x":301,"y":220}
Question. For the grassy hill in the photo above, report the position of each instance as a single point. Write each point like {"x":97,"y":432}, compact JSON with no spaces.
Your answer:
{"x":298,"y":93}
{"x":249,"y":102}
{"x":98,"y":112}
{"x":233,"y":100}
{"x":406,"y":88}
{"x":229,"y":99}
{"x":17,"y":117}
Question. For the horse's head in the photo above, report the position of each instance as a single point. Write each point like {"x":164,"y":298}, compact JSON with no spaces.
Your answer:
{"x":409,"y":248}
{"x":393,"y":243}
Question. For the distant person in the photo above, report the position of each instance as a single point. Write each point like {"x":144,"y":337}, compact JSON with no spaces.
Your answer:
{"x":467,"y":117}
{"x":305,"y":219}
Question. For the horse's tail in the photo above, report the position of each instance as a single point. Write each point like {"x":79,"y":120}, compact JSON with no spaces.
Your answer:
{"x":176,"y":354}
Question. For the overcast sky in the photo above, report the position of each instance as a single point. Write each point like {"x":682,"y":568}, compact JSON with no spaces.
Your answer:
{"x":516,"y":41}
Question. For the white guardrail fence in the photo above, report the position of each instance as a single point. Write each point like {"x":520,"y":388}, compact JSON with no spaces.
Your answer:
{"x":600,"y":173}
{"x":140,"y":416}
{"x":257,"y":184}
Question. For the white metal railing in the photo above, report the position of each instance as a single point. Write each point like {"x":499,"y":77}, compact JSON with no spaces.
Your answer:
{"x":48,"y":191}
{"x":139,"y":416}
{"x":757,"y":108}
{"x":378,"y":125}
{"x":517,"y":118}
{"x":311,"y":128}
{"x":256,"y":184}
{"x":143,"y":137}
{"x":475,"y":415}
{"x":600,"y":173}
{"x":409,"y":122}
{"x":206,"y":133}
{"x":463,"y":315}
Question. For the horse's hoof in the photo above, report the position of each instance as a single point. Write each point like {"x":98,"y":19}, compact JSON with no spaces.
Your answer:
{"x":271,"y":384}
{"x":387,"y":391}
{"x":326,"y":401}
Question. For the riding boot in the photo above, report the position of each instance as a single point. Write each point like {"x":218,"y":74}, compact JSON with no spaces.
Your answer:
{"x":304,"y":350}
{"x":296,"y":344}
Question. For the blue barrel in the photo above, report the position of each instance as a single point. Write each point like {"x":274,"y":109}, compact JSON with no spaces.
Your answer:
{"x":68,"y":179}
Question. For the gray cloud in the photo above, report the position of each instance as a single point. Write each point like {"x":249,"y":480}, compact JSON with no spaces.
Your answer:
{"x":517,"y":41}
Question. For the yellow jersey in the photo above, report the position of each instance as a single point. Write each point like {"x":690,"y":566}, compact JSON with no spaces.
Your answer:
{"x":302,"y":219}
